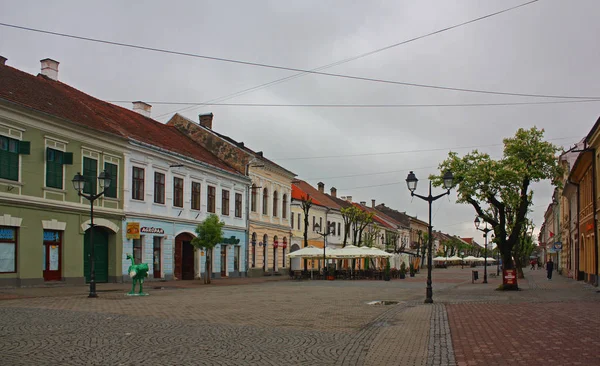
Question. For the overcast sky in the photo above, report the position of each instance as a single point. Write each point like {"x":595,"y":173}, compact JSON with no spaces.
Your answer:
{"x":548,"y":47}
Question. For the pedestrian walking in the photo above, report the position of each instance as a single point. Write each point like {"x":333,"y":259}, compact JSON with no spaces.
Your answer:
{"x":532,"y":264}
{"x":549,"y":268}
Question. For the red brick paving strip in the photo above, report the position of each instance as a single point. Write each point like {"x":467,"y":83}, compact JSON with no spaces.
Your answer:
{"x":559,"y":333}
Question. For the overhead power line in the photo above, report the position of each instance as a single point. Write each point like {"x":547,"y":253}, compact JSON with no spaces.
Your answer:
{"x":194,"y":104}
{"x":278,"y":81}
{"x":257,"y":64}
{"x":407,"y":151}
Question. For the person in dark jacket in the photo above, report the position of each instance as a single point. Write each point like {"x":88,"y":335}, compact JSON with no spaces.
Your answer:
{"x":549,"y":268}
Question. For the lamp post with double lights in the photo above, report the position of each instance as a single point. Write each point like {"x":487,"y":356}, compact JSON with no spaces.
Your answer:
{"x":411,"y":182}
{"x":79,"y":185}
{"x":324,"y":235}
{"x":485,"y":230}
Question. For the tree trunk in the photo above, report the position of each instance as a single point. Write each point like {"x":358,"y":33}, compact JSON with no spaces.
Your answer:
{"x":208,"y":269}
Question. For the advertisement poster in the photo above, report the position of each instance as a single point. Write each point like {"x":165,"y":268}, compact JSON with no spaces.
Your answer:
{"x":133,"y":230}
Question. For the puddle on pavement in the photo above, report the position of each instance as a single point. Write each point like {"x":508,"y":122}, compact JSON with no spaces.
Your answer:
{"x":382,"y":302}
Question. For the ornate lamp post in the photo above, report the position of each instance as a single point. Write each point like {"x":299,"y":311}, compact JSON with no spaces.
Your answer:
{"x":485,"y":230}
{"x":79,"y":185}
{"x":324,"y":235}
{"x":411,"y":182}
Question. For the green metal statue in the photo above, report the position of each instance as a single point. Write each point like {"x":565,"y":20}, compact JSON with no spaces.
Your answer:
{"x":137,"y":272}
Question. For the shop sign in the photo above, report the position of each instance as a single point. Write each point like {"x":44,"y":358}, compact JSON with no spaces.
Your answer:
{"x":589,"y":227}
{"x":7,"y":234}
{"x":509,"y":277}
{"x":51,"y":235}
{"x":152,"y":230}
{"x":232,"y":240}
{"x":133,"y":230}
{"x":558,"y":245}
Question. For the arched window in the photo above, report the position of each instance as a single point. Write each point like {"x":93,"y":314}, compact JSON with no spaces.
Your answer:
{"x":284,"y":209}
{"x":265,"y":241}
{"x":253,"y":250}
{"x":253,"y":199}
{"x":265,"y":201}
{"x":275,"y":245}
{"x":275,"y":203}
{"x":284,"y":250}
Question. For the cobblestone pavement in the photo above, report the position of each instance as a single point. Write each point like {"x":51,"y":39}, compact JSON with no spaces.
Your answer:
{"x":306,"y":323}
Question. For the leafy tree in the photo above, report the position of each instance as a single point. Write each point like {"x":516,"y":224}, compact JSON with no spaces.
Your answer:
{"x":348,"y":214}
{"x":363,"y":219}
{"x":371,"y":235}
{"x":210,"y":233}
{"x":306,"y":204}
{"x":499,"y":190}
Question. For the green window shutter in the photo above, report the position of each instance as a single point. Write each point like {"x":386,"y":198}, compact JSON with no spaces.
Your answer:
{"x":111,"y":169}
{"x":9,"y":165}
{"x":54,"y":168}
{"x":24,"y":147}
{"x":68,"y":158}
{"x":90,"y":173}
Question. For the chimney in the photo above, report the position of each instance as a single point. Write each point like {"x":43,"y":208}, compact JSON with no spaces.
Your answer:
{"x":3,"y":60}
{"x":372,"y":203}
{"x":349,"y":199}
{"x":363,"y":203}
{"x":321,"y":186}
{"x":142,"y":108}
{"x":206,"y":120}
{"x":333,"y":192}
{"x":50,"y":68}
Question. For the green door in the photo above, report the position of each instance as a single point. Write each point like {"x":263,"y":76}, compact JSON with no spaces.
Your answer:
{"x":100,"y":254}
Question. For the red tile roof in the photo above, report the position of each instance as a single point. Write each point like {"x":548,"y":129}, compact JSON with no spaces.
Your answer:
{"x":63,"y":101}
{"x":300,"y":195}
{"x":323,"y":198}
{"x":376,"y":218}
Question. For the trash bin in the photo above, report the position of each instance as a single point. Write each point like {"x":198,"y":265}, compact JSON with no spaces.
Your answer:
{"x":474,"y":276}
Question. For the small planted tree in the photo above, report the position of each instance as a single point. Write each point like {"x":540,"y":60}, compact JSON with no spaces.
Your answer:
{"x":210,"y":233}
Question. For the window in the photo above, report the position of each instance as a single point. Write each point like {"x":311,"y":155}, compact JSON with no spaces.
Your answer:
{"x":177,"y":192}
{"x":195,"y":196}
{"x":113,"y":173}
{"x":275,"y":203}
{"x":54,"y":168}
{"x":253,"y":198}
{"x":292,"y":221}
{"x":212,"y":193}
{"x":299,"y":217}
{"x":284,"y":251}
{"x":138,"y":250}
{"x":284,"y":209}
{"x":137,"y":191}
{"x":329,"y":228}
{"x":159,"y":187}
{"x":90,"y":173}
{"x":224,"y":202}
{"x":339,"y":229}
{"x":313,"y":223}
{"x":236,"y":258}
{"x":9,"y":157}
{"x":265,"y":201}
{"x":238,"y":205}
{"x":8,"y":249}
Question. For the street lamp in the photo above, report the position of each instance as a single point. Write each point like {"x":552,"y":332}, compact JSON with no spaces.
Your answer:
{"x":79,"y":185}
{"x":411,"y":182}
{"x":485,"y":230}
{"x":324,"y":235}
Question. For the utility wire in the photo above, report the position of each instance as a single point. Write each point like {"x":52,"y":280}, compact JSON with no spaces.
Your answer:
{"x":408,"y":151}
{"x":277,"y":81}
{"x":195,"y":104}
{"x":256,"y":64}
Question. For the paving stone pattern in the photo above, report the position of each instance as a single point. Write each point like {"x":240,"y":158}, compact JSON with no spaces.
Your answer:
{"x":440,"y":350}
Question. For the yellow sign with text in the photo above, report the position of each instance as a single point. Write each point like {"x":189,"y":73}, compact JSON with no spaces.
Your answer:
{"x":133,"y":230}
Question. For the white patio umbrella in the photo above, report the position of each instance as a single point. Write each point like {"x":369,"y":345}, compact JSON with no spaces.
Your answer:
{"x":440,"y":259}
{"x":454,"y":258}
{"x":480,"y":259}
{"x":376,"y":252}
{"x":308,"y":252}
{"x":469,"y":258}
{"x":490,"y":259}
{"x":350,"y":251}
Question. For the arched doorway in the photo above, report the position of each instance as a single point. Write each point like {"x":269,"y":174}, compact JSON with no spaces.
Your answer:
{"x":184,"y":257}
{"x":100,"y":239}
{"x":296,"y":264}
{"x":253,"y":250}
{"x":265,"y":240}
{"x":275,"y":246}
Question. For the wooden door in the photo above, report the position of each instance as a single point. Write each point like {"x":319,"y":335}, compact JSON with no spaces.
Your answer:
{"x":187,"y":259}
{"x":100,"y":253}
{"x":52,"y":267}
{"x":223,"y":261}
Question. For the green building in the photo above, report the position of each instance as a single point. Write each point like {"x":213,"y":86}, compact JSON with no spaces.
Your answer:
{"x":47,"y":135}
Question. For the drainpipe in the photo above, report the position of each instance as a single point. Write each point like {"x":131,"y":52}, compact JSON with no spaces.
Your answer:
{"x":593,"y":150}
{"x":247,"y":249}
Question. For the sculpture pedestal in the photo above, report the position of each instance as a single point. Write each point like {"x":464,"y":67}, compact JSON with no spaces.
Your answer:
{"x":137,"y":294}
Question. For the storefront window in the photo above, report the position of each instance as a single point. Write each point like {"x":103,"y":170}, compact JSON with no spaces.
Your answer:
{"x":236,"y":258}
{"x":137,"y":250}
{"x":8,"y":249}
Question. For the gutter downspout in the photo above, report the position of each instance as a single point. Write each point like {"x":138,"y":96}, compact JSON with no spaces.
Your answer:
{"x":594,"y":195}
{"x":247,"y":249}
